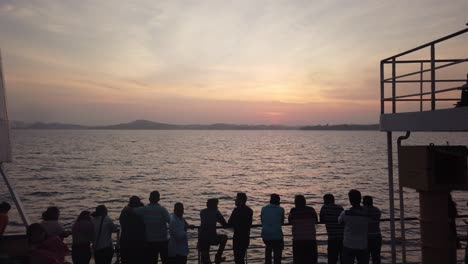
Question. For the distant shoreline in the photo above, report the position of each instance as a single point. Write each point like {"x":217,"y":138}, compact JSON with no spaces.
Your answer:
{"x":150,"y":125}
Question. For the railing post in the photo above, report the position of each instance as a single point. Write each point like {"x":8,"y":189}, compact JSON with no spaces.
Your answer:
{"x":246,"y":256}
{"x":382,"y":88}
{"x":393,"y":86}
{"x":433,"y":81}
{"x":421,"y":87}
{"x":391,"y":195}
{"x":402,"y":204}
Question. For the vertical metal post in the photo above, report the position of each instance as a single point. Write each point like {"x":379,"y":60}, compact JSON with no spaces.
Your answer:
{"x":402,"y":205}
{"x":382,"y":88}
{"x":15,"y":197}
{"x":402,"y":224}
{"x":421,"y":76}
{"x":433,"y":76}
{"x":391,"y":195}
{"x":393,"y":86}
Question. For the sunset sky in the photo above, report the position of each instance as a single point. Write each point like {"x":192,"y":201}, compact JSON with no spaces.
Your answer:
{"x":250,"y":62}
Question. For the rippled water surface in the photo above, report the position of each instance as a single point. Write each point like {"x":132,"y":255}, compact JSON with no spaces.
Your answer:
{"x":76,"y":170}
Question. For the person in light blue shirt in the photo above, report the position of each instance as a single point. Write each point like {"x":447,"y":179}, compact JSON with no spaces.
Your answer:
{"x":272,"y":217}
{"x":178,"y":243}
{"x":156,"y":219}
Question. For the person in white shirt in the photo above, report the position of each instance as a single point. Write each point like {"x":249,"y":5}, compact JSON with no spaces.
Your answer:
{"x":103,"y":229}
{"x":178,"y":243}
{"x":356,"y":221}
{"x":156,"y":219}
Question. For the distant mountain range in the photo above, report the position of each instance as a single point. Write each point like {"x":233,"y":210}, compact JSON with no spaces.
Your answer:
{"x":150,"y":125}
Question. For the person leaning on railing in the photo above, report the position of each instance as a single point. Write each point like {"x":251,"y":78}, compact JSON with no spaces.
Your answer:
{"x":272,"y":218}
{"x":4,"y":208}
{"x":178,"y":242}
{"x":156,"y":219}
{"x":132,"y":236}
{"x":103,"y":229}
{"x":303,"y":219}
{"x":241,"y":222}
{"x":356,"y":222}
{"x":207,"y":232}
{"x":82,"y":237}
{"x":374,"y":236}
{"x":329,"y":214}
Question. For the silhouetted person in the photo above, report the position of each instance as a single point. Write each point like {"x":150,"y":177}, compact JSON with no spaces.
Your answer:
{"x":303,"y":219}
{"x":453,"y":238}
{"x":51,"y":224}
{"x":241,"y":221}
{"x":178,"y":243}
{"x":355,"y":232}
{"x":4,"y":208}
{"x":374,"y":237}
{"x":44,"y":248}
{"x":156,"y":219}
{"x":272,"y":217}
{"x":103,"y":229}
{"x":83,"y":235}
{"x":207,"y":232}
{"x":464,"y":95}
{"x":132,"y":236}
{"x":329,"y":214}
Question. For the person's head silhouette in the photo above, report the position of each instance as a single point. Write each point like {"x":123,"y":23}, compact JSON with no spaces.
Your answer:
{"x":84,"y":216}
{"x":241,"y":199}
{"x":275,"y":199}
{"x":329,"y":199}
{"x":300,"y":201}
{"x":212,"y":204}
{"x":101,"y":210}
{"x":51,"y":214}
{"x":179,"y":209}
{"x":154,"y":197}
{"x":4,"y":207}
{"x":354,"y":198}
{"x":135,"y":202}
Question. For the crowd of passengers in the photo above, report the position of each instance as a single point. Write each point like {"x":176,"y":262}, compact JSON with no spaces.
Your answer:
{"x":149,"y":232}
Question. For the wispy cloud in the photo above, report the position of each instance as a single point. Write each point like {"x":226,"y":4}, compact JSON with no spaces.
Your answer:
{"x":296,"y":52}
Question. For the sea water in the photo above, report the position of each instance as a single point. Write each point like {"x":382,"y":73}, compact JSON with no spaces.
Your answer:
{"x":79,"y":169}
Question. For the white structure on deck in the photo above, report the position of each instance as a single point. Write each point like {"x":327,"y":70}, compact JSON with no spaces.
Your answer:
{"x":5,"y":146}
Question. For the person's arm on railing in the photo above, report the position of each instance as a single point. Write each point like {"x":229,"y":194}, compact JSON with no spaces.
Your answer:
{"x":341,"y":218}
{"x":221,"y":219}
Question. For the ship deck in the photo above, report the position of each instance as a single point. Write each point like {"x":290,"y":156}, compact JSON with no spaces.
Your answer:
{"x":442,"y":120}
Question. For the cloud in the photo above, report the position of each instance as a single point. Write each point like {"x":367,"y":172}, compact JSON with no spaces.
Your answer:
{"x":297,"y":52}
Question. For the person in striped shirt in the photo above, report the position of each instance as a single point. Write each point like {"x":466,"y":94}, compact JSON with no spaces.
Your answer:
{"x":329,"y":214}
{"x":303,"y":219}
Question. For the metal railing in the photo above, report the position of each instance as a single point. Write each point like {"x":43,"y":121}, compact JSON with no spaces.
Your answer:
{"x":255,"y":250}
{"x":427,"y":65}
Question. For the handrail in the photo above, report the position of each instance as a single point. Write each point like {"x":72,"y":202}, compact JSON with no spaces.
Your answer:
{"x":425,"y":61}
{"x":396,"y":79}
{"x":426,"y":45}
{"x":426,"y":93}
{"x":428,"y":70}
{"x":321,"y":242}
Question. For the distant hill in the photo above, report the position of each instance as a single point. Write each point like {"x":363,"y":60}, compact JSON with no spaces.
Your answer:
{"x":342,"y":127}
{"x":40,"y":125}
{"x":139,"y":125}
{"x":150,"y":125}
